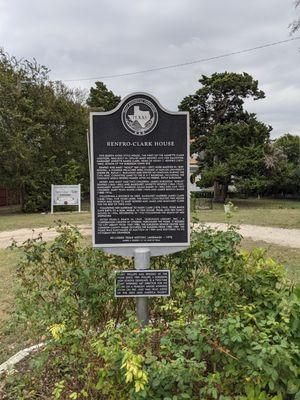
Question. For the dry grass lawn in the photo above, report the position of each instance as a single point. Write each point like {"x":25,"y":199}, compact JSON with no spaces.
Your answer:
{"x":277,"y":213}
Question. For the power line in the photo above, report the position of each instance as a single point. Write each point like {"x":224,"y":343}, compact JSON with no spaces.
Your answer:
{"x":185,"y":63}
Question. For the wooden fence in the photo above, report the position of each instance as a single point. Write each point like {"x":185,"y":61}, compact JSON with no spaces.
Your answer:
{"x":9,"y":197}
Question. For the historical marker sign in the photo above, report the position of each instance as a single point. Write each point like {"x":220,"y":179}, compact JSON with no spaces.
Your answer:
{"x":65,"y":195}
{"x":140,"y":173}
{"x":142,"y":283}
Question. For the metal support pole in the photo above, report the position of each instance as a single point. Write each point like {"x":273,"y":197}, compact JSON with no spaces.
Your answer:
{"x":142,"y":261}
{"x":79,"y":197}
{"x":52,"y":199}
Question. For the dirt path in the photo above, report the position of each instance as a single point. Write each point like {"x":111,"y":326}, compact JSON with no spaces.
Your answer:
{"x":279,"y":236}
{"x":20,"y":235}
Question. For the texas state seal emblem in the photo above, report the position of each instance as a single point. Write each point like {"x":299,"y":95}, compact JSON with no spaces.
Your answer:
{"x":139,"y":116}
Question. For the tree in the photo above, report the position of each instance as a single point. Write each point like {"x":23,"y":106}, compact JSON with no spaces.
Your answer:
{"x":289,"y":146}
{"x":234,"y":154}
{"x":101,"y":98}
{"x":230,"y":140}
{"x":295,"y":25}
{"x":42,"y":132}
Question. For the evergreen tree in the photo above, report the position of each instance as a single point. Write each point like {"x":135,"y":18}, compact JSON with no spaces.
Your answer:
{"x":230,"y":141}
{"x":102,"y":99}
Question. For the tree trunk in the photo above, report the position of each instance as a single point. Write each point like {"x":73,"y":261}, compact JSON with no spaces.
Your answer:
{"x":217,"y":187}
{"x":220,"y":192}
{"x":224,"y":191}
{"x":217,"y":192}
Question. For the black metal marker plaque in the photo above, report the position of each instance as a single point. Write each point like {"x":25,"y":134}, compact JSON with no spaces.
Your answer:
{"x":142,"y":283}
{"x":139,"y":171}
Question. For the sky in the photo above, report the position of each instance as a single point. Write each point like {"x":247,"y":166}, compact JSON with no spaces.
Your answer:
{"x":81,"y":39}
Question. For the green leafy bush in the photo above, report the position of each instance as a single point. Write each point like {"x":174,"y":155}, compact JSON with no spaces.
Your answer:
{"x":66,"y":283}
{"x":230,"y":330}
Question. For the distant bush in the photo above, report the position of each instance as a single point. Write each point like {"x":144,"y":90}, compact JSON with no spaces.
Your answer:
{"x":205,"y":193}
{"x":230,"y":330}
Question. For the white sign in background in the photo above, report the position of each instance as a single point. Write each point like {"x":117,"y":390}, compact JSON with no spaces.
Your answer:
{"x":65,"y":195}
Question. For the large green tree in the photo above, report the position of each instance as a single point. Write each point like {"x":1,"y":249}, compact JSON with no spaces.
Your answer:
{"x":230,"y":141}
{"x":289,"y":147}
{"x":102,"y":99}
{"x":42,"y":132}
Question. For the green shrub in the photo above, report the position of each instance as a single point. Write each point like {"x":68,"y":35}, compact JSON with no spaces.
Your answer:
{"x":66,"y":283}
{"x":230,"y":330}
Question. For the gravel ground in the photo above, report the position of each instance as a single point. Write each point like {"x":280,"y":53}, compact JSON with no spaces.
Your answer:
{"x":279,"y":236}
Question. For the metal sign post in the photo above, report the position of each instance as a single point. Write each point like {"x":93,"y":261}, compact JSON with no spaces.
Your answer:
{"x":79,"y":198}
{"x":142,"y":261}
{"x":52,"y":197}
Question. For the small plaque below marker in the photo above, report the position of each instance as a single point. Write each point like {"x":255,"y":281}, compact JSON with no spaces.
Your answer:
{"x":142,"y":283}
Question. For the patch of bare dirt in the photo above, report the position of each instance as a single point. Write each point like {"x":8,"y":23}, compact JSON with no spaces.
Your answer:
{"x":279,"y":236}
